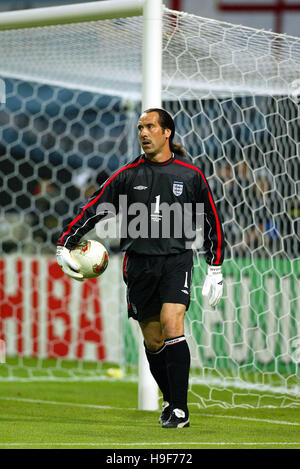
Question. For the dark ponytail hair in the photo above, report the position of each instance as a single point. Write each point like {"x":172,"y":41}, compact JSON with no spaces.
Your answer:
{"x":167,"y":122}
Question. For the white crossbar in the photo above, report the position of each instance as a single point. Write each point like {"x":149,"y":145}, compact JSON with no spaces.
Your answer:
{"x":63,"y":14}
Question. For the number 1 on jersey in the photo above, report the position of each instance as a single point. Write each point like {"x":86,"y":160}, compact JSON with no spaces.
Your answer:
{"x":157,"y":203}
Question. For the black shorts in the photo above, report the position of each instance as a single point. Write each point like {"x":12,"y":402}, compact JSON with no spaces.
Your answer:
{"x":154,"y":280}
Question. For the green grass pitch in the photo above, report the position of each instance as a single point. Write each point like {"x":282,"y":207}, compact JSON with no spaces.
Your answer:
{"x":104,"y":415}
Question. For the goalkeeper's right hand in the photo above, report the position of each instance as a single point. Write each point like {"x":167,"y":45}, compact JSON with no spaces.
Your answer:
{"x":67,"y":264}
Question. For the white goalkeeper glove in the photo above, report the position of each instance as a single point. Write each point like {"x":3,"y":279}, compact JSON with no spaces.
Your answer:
{"x":67,"y":264}
{"x":213,"y":285}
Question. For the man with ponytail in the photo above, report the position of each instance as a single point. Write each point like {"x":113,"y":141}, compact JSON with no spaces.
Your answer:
{"x":158,"y":261}
{"x":165,"y":121}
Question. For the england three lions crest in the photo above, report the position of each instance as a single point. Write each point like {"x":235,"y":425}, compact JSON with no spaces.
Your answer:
{"x":177,"y":188}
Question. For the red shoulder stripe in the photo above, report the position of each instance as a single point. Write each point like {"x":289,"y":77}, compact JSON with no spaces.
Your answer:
{"x":92,"y":202}
{"x":218,"y":225}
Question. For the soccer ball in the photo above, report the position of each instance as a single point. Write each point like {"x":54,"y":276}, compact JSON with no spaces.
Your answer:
{"x":92,"y":258}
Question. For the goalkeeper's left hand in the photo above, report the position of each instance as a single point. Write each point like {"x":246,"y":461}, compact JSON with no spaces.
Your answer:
{"x":213,"y":285}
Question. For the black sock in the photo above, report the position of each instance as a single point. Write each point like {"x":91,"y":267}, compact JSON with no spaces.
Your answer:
{"x":178,"y":361}
{"x":157,"y":364}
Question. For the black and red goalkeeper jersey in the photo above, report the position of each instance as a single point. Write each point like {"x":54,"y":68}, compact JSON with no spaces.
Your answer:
{"x":175,"y":183}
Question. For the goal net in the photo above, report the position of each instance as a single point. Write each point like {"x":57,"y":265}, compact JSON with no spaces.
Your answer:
{"x":70,"y":98}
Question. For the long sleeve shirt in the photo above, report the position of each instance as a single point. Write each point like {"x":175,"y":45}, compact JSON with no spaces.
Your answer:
{"x":159,"y":203}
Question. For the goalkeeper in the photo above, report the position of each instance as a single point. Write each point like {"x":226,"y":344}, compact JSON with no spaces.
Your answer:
{"x":157,"y":268}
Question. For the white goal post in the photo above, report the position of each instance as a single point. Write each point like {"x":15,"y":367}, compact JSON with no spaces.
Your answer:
{"x":73,"y":81}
